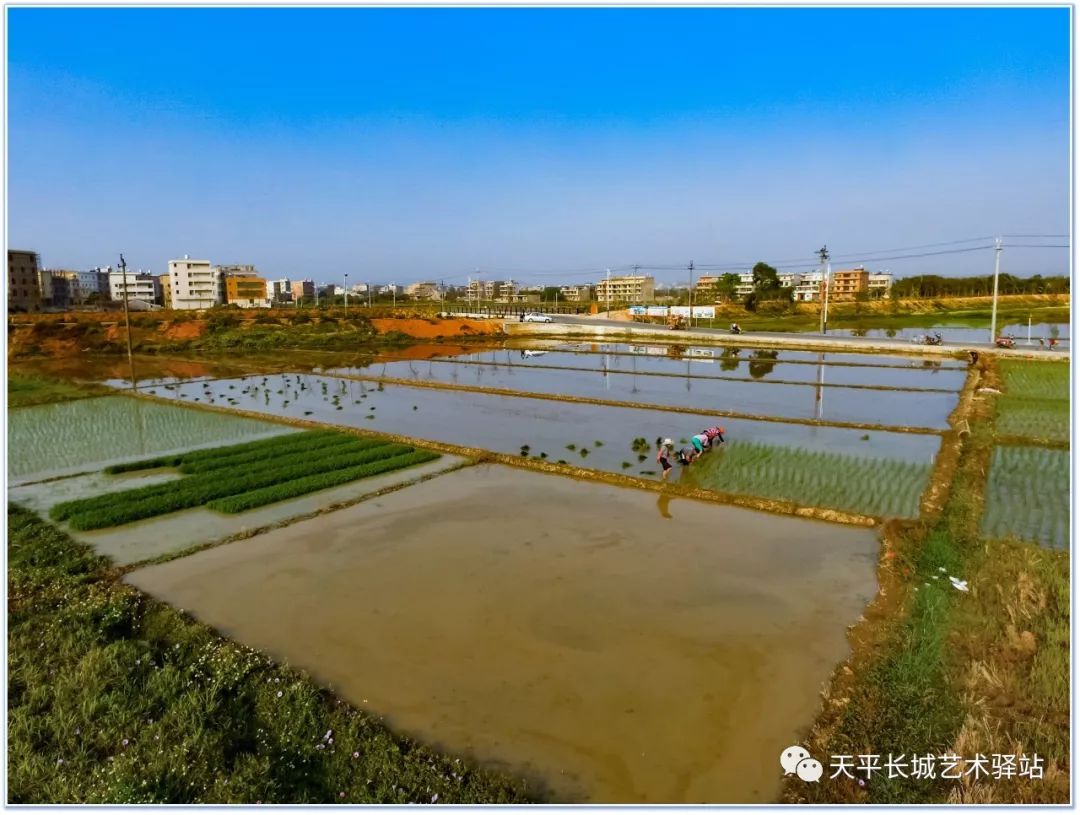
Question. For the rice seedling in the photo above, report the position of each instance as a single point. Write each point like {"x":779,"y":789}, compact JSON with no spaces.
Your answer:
{"x":302,"y":486}
{"x":1036,"y":380}
{"x":1036,"y":400}
{"x":1027,"y":495}
{"x":871,"y":486}
{"x":213,"y":477}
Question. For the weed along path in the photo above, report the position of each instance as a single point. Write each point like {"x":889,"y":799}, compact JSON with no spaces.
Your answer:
{"x":614,"y":647}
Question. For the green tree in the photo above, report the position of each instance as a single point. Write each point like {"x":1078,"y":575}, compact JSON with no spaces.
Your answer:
{"x":550,"y":294}
{"x":725,"y":286}
{"x":765,"y":277}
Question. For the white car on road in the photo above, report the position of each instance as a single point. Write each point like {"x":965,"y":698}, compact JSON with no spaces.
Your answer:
{"x":532,"y":317}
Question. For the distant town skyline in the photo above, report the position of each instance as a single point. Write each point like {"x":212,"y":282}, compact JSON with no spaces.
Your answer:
{"x":542,"y":145}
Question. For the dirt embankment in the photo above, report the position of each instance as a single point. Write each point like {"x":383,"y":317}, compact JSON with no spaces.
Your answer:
{"x":72,"y":334}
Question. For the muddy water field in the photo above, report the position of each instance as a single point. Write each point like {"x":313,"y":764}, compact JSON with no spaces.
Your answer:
{"x":608,"y":643}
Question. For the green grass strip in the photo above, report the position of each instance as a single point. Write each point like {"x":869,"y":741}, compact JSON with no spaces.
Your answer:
{"x":119,"y":508}
{"x":313,"y":483}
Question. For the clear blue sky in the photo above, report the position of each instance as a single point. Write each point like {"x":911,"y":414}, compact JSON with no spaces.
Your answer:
{"x":399,"y":144}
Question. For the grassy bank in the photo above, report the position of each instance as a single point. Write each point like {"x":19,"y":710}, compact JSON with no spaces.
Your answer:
{"x":25,"y":391}
{"x":945,"y":671}
{"x":969,"y":312}
{"x":116,"y":698}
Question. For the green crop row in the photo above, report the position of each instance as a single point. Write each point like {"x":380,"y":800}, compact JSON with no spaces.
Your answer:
{"x":283,"y":441}
{"x":302,"y":486}
{"x":877,"y":487}
{"x":1036,"y":380}
{"x":118,"y":508}
{"x":1027,"y":495}
{"x":328,"y":445}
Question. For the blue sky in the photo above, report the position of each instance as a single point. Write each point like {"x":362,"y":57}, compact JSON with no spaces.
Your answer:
{"x":397,"y":144}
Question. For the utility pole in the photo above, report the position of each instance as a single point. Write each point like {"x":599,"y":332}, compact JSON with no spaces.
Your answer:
{"x":690,"y":292}
{"x":127,"y":320}
{"x":609,"y":294}
{"x":346,"y":295}
{"x":393,"y":292}
{"x":369,"y":294}
{"x":993,"y":308}
{"x":823,"y":253}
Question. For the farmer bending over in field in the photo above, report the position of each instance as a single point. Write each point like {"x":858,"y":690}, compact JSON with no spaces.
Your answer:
{"x":700,"y":442}
{"x":715,"y":435}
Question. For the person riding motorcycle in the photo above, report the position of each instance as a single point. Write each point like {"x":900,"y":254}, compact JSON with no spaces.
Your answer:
{"x":735,"y":328}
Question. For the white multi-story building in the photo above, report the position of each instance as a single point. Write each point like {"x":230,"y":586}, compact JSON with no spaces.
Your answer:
{"x":279,"y":291}
{"x":789,"y":280}
{"x":809,"y":287}
{"x":879,"y":284}
{"x":745,"y":284}
{"x":195,"y":284}
{"x":140,"y":286}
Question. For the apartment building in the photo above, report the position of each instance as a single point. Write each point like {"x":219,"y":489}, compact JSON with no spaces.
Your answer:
{"x":195,"y":284}
{"x":576,"y":294}
{"x":92,"y":284}
{"x":279,"y":291}
{"x":810,"y":287}
{"x":55,"y":287}
{"x":879,"y":283}
{"x":24,"y":291}
{"x":303,"y":289}
{"x":789,"y":280}
{"x":845,"y":284}
{"x":140,"y":286}
{"x":245,"y":289}
{"x":626,"y":289}
{"x":501,"y":291}
{"x":423,"y":290}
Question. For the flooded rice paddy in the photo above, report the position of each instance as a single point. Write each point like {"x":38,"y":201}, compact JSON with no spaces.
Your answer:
{"x":590,"y":436}
{"x":898,"y":408}
{"x":682,"y":350}
{"x":965,"y":333}
{"x":749,"y":366}
{"x":48,"y":440}
{"x":615,"y":647}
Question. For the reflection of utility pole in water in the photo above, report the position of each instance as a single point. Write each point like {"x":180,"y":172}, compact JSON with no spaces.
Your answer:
{"x":127,"y":320}
{"x":819,"y":391}
{"x":607,"y":375}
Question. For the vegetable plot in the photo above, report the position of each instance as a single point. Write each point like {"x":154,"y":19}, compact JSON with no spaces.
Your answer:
{"x":241,"y":477}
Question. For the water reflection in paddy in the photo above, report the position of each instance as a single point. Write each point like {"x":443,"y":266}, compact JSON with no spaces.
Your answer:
{"x":899,"y":408}
{"x":748,"y":365}
{"x":616,"y":649}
